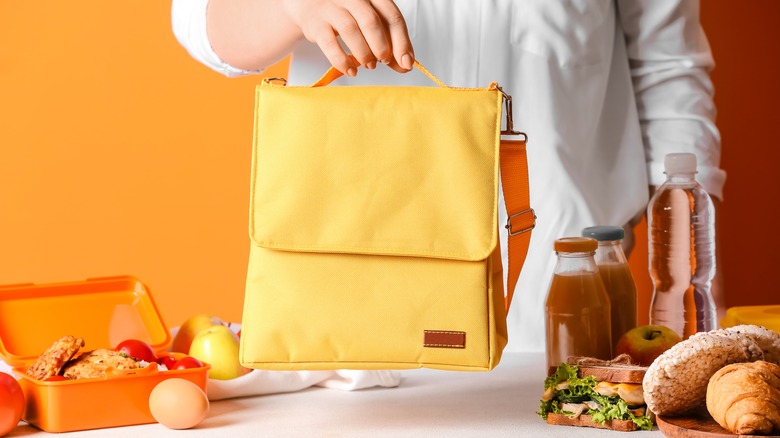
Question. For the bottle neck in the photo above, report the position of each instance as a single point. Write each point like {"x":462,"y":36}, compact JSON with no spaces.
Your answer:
{"x":570,"y":263}
{"x":610,"y":251}
{"x":680,"y":177}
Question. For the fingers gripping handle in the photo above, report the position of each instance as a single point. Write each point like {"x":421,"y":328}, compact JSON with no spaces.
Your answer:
{"x":332,"y":74}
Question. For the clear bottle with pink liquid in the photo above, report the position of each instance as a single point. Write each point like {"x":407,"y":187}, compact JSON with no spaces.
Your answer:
{"x":681,"y":232}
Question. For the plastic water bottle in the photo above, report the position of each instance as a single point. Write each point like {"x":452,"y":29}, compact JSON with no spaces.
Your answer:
{"x":681,"y":230}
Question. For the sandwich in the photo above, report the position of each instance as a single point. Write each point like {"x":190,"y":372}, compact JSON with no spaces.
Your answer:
{"x":606,"y":396}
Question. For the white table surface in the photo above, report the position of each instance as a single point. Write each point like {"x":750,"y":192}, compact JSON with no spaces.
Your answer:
{"x":428,"y":403}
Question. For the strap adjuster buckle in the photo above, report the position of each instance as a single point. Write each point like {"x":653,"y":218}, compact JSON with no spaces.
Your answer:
{"x":528,"y":220}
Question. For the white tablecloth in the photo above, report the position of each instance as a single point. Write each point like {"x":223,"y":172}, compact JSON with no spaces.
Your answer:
{"x":427,"y":403}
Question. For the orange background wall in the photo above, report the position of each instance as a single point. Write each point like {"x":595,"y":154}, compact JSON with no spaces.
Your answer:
{"x":119,"y":154}
{"x":744,"y":39}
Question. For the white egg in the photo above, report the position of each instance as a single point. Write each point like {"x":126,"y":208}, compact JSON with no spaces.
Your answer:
{"x":178,"y":403}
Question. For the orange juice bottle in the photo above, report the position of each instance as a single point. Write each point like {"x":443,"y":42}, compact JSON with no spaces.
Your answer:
{"x":617,"y":278}
{"x":577,"y":310}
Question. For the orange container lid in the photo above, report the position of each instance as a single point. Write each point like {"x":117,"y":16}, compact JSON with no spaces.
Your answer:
{"x":575,"y":244}
{"x":767,"y":316}
{"x":104,"y":311}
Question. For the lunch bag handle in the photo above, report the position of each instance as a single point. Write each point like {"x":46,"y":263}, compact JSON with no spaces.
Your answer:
{"x":332,"y":74}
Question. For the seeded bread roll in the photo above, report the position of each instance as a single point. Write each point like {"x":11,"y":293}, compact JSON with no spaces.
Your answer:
{"x":676,"y":382}
{"x":767,"y":341}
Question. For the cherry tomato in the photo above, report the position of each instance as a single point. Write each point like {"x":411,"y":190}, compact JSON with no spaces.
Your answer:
{"x":137,"y":349}
{"x":187,"y":362}
{"x":56,"y":378}
{"x":168,"y":360}
{"x":11,"y":403}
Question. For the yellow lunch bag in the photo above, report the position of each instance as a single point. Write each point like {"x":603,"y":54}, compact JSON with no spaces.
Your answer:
{"x":373,"y":226}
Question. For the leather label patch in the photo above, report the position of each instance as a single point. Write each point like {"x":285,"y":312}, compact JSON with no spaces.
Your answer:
{"x":444,"y":339}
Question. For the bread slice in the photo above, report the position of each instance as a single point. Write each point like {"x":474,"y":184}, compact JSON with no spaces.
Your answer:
{"x":614,"y":373}
{"x":585,"y":420}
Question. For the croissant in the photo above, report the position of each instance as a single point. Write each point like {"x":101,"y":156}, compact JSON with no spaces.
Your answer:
{"x":744,"y":398}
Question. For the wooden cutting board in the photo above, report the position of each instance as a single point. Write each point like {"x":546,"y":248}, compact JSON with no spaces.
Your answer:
{"x":696,"y":425}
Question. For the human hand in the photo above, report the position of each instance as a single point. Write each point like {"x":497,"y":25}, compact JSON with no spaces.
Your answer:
{"x":373,"y":30}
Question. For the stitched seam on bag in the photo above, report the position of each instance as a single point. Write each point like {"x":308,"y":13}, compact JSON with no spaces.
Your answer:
{"x":255,"y":153}
{"x":497,"y":163}
{"x":491,"y":334}
{"x":454,"y":344}
{"x":375,"y":250}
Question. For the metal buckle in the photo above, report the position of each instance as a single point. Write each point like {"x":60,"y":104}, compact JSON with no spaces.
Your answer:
{"x":508,"y":225}
{"x":510,"y":129}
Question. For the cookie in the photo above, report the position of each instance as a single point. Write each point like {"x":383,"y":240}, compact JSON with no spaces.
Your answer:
{"x":95,"y":363}
{"x":55,"y":357}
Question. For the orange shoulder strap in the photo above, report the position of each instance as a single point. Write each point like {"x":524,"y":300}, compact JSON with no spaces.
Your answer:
{"x":521,"y":218}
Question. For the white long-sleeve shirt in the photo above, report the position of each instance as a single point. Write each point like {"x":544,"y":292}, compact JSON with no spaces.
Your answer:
{"x":604,"y":89}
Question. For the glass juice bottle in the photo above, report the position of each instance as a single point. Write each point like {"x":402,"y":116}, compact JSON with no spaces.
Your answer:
{"x":617,"y":278}
{"x":577,"y":311}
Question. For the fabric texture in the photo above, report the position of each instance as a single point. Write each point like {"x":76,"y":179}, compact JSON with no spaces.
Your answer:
{"x":604,"y":89}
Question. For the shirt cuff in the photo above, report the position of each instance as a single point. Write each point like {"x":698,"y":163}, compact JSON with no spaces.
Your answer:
{"x":188,"y":18}
{"x":693,"y":135}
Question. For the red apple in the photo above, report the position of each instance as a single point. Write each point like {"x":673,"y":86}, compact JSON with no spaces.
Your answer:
{"x":647,"y":342}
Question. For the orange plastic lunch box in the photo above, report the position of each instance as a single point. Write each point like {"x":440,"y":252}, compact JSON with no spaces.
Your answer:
{"x":104,"y":311}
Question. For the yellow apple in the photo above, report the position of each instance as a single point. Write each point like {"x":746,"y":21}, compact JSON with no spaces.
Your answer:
{"x":218,"y":346}
{"x":647,"y":342}
{"x":191,"y":327}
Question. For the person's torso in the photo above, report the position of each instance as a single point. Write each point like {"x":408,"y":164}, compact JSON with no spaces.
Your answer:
{"x":565,"y":64}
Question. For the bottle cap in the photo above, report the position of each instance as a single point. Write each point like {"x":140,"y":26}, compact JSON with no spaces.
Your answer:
{"x":575,"y":244}
{"x":680,"y":163}
{"x":604,"y":232}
